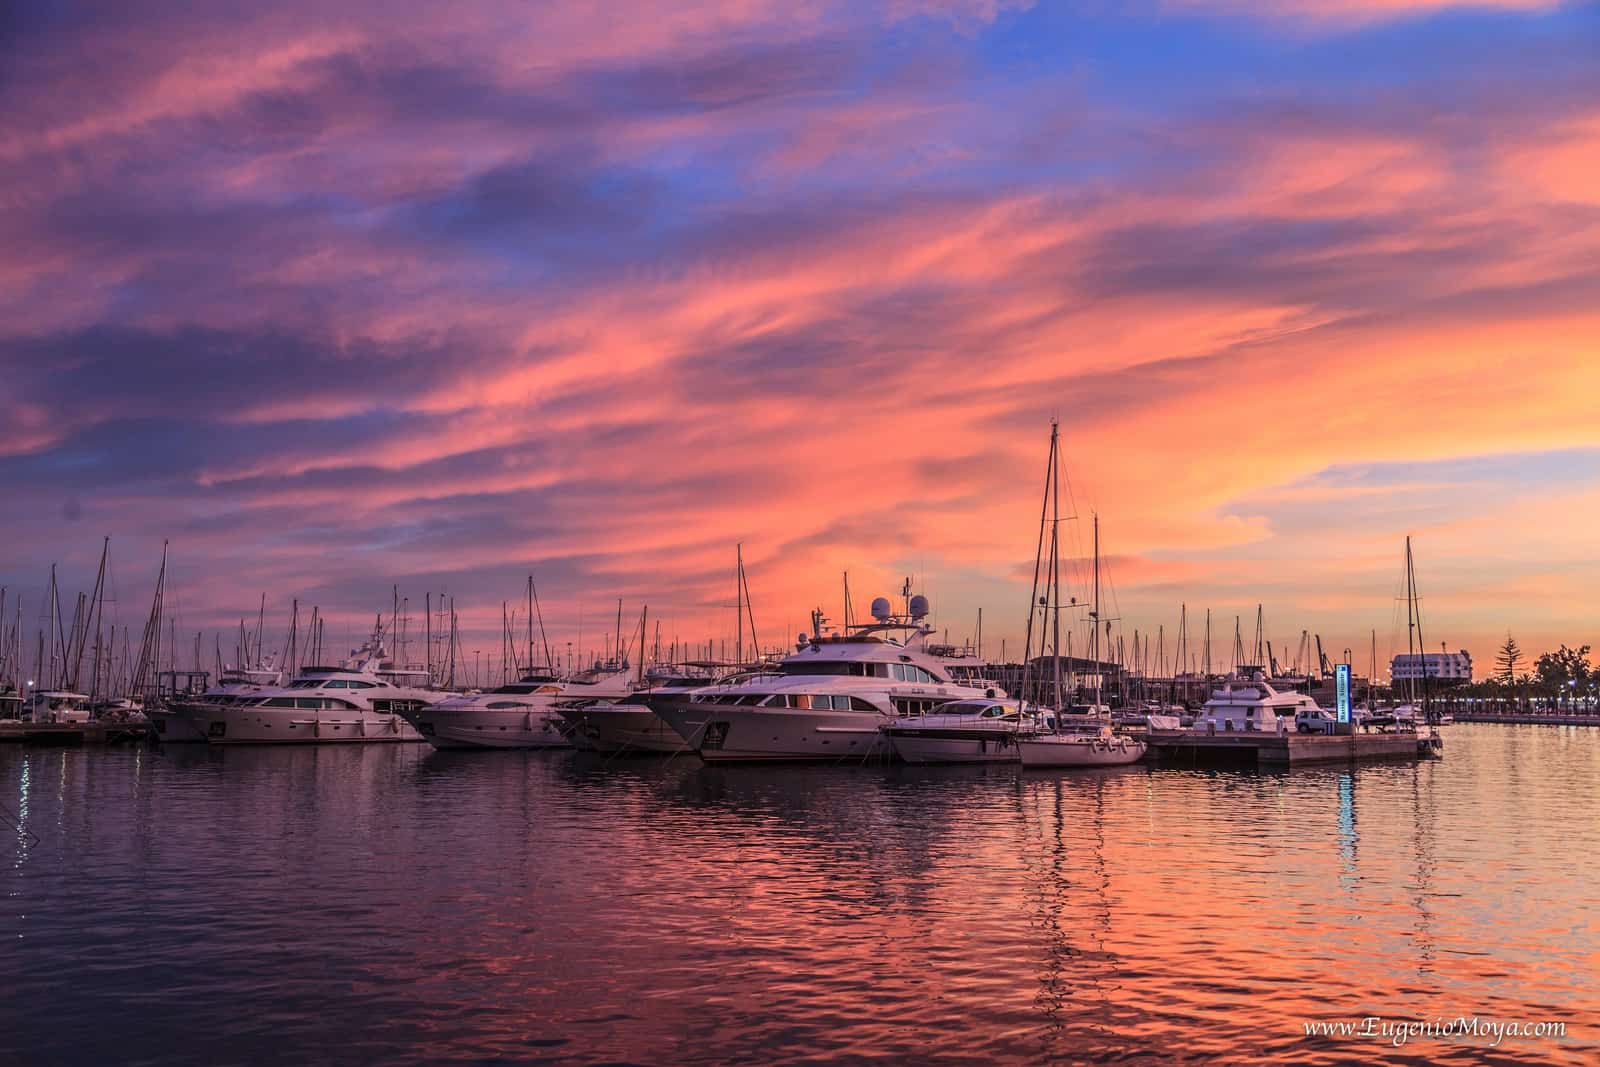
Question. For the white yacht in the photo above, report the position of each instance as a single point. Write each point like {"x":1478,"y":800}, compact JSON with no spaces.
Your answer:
{"x":57,"y":705}
{"x":358,"y":702}
{"x":1252,"y":706}
{"x":827,"y":700}
{"x":523,"y":714}
{"x":628,"y":725}
{"x":1080,"y":748}
{"x":172,"y":722}
{"x":965,"y":731}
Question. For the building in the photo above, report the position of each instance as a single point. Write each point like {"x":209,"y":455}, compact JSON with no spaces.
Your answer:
{"x":1450,"y":667}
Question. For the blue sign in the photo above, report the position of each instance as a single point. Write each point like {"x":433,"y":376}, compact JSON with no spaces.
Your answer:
{"x":1341,"y":681}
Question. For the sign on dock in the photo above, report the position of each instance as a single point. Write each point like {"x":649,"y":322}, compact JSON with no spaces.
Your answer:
{"x":1341,"y":677}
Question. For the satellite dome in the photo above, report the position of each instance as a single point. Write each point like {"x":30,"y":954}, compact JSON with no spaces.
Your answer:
{"x":881,"y":609}
{"x":919,"y":606}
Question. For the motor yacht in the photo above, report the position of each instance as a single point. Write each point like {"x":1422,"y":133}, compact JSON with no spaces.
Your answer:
{"x":523,"y":714}
{"x":172,"y":722}
{"x":57,"y":706}
{"x":321,"y":705}
{"x":629,"y":725}
{"x":828,"y":698}
{"x":1252,"y":706}
{"x":966,"y":731}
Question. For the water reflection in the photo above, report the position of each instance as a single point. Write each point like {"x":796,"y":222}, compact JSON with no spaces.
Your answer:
{"x":408,"y":906}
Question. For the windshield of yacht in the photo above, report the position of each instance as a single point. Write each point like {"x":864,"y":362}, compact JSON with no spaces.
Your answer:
{"x":900,"y":672}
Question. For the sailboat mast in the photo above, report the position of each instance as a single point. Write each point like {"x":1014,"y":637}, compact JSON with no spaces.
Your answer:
{"x":1055,"y":563}
{"x":1099,"y":674}
{"x":738,"y":602}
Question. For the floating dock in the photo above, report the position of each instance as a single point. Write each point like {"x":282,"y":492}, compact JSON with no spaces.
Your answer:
{"x":1248,"y":749}
{"x":72,"y":733}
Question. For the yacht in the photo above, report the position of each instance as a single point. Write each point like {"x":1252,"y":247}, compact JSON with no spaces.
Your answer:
{"x":628,"y":725}
{"x":357,"y":702}
{"x":1252,"y":706}
{"x":172,"y":722}
{"x":965,"y":731}
{"x":523,"y":714}
{"x":57,"y":705}
{"x":828,"y":699}
{"x":10,"y":702}
{"x":1080,"y":748}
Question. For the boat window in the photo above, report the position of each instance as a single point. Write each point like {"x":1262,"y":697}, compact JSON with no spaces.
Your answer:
{"x":750,"y":699}
{"x":278,"y":702}
{"x":773,"y":701}
{"x":800,"y":701}
{"x":860,"y":704}
{"x":498,"y":705}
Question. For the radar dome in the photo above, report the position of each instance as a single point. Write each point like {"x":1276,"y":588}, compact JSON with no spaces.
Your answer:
{"x":919,"y":606}
{"x":881,"y":609}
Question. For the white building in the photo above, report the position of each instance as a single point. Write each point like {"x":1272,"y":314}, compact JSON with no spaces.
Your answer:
{"x":1436,"y":666}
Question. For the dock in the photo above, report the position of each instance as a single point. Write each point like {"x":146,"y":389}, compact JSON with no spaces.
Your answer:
{"x":72,"y":734}
{"x":1188,"y":747}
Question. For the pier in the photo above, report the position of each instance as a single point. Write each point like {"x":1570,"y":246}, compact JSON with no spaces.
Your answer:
{"x":1248,"y":749}
{"x":72,"y":734}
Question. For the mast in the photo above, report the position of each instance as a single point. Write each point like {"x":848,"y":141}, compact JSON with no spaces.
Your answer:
{"x":544,"y":638}
{"x":738,"y":602}
{"x":1099,"y":678}
{"x":1055,"y":562}
{"x":1038,"y":561}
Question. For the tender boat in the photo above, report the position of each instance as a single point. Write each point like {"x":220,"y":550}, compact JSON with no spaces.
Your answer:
{"x":828,"y":699}
{"x":523,"y":714}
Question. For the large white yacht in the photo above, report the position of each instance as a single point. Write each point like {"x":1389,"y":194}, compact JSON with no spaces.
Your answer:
{"x":827,"y":700}
{"x":523,"y":714}
{"x":361,"y":701}
{"x":172,"y":722}
{"x":1252,"y":706}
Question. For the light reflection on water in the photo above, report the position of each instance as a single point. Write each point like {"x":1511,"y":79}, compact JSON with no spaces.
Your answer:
{"x":389,"y":903}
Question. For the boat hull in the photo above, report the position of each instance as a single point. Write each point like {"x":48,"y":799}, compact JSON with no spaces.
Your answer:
{"x":1065,"y":750}
{"x":731,"y":734}
{"x":623,"y":728}
{"x":953,"y":745}
{"x":250,"y":725}
{"x":170,"y":727}
{"x":489,"y":728}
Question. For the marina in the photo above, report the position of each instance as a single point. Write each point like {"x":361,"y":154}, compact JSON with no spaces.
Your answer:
{"x":928,"y":532}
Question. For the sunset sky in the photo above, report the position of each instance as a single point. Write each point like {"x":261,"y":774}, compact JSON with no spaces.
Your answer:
{"x":339,"y":295}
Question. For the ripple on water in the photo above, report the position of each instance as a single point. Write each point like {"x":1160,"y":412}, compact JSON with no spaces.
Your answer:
{"x":392,"y":904}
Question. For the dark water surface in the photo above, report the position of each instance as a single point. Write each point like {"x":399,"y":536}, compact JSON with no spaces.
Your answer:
{"x":392,"y":904}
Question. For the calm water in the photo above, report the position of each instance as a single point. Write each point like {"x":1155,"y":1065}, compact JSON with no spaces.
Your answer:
{"x":392,"y":904}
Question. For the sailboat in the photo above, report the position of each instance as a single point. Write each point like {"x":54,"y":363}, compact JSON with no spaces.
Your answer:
{"x":1085,"y":745}
{"x":1429,"y":743}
